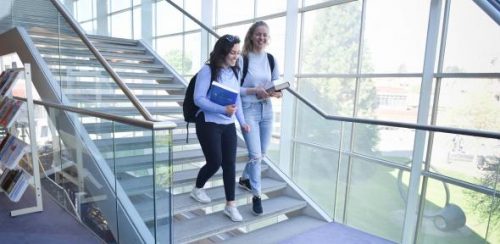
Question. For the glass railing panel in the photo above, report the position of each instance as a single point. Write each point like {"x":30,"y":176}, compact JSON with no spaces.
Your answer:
{"x":115,"y":176}
{"x":72,"y":164}
{"x":463,"y":218}
{"x":163,"y":171}
{"x":375,"y":200}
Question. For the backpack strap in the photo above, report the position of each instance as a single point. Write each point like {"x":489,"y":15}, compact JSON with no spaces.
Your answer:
{"x":270,"y":59}
{"x":245,"y":69}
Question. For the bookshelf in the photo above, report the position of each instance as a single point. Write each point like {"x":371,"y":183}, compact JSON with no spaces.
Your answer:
{"x":14,"y":179}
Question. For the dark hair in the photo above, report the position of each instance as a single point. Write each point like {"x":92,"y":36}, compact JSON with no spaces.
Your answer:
{"x":222,"y":48}
{"x":248,"y":44}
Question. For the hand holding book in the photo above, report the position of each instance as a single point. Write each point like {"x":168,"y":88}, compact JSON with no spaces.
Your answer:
{"x":222,"y":94}
{"x":278,"y":87}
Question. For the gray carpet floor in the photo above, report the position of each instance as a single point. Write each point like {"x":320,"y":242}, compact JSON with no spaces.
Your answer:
{"x":53,"y":225}
{"x":336,"y":233}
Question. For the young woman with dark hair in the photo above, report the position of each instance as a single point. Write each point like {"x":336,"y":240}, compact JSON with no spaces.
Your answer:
{"x":215,"y":124}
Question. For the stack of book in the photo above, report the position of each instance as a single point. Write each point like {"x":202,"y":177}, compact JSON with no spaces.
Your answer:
{"x":9,"y":109}
{"x":7,"y":79}
{"x":11,"y":151}
{"x":14,"y":182}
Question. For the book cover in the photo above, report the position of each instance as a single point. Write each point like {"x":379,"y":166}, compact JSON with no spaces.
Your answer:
{"x":20,"y":186}
{"x":222,"y":94}
{"x":8,"y":82}
{"x":278,"y":87}
{"x":15,"y":179}
{"x":13,"y":150}
{"x":9,"y":110}
{"x":7,"y":178}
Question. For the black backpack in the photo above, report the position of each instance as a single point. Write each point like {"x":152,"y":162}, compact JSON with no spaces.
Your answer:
{"x":189,"y":109}
{"x":270,"y":58}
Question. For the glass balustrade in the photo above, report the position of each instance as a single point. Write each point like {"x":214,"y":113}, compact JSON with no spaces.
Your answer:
{"x":115,"y":176}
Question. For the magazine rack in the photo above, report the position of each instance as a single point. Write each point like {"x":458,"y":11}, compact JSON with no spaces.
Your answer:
{"x":32,"y":148}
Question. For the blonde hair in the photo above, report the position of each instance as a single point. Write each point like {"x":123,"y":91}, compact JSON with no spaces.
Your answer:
{"x":248,"y":44}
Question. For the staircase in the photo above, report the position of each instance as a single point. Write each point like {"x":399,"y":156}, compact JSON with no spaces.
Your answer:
{"x":81,"y":81}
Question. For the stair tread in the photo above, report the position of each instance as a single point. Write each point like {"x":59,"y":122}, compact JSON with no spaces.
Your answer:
{"x":179,"y":156}
{"x":143,"y":184}
{"x":141,"y":142}
{"x":96,"y":128}
{"x":279,"y":231}
{"x":132,"y":111}
{"x":197,"y":228}
{"x":105,"y":74}
{"x":99,"y":98}
{"x":183,"y":202}
{"x":95,"y":63}
{"x":134,"y":86}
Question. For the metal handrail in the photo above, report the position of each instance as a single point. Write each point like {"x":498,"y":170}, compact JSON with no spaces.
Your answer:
{"x":111,"y":117}
{"x":487,"y":134}
{"x":144,"y":112}
{"x":193,"y":19}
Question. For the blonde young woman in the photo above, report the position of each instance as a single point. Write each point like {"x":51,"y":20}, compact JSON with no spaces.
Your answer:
{"x":257,"y":107}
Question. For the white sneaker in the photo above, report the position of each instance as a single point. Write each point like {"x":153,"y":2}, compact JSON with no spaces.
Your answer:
{"x":200,"y":195}
{"x":233,"y":213}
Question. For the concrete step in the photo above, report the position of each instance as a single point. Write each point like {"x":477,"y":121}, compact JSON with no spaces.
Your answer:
{"x":131,"y":163}
{"x":62,"y":63}
{"x":151,"y":86}
{"x":132,"y":111}
{"x":201,"y":227}
{"x":105,"y":74}
{"x":141,"y":142}
{"x":99,"y":98}
{"x":278,"y":232}
{"x":183,"y":202}
{"x":134,"y":186}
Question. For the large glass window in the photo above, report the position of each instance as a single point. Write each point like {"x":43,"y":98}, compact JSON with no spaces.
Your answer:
{"x":193,"y":7}
{"x":229,"y":11}
{"x":376,"y":200}
{"x":472,"y":103}
{"x":469,"y":48}
{"x":85,"y":9}
{"x":322,"y":188}
{"x":456,"y":218}
{"x":394,"y":38}
{"x":117,"y":5}
{"x":170,"y":48}
{"x":121,"y":24}
{"x":265,"y":7}
{"x":330,"y":39}
{"x":168,"y":19}
{"x":394,"y":99}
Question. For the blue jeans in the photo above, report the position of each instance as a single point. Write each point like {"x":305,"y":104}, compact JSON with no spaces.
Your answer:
{"x":260,"y":118}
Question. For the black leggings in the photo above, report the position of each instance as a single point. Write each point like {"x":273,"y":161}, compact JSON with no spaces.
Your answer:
{"x":218,"y":143}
